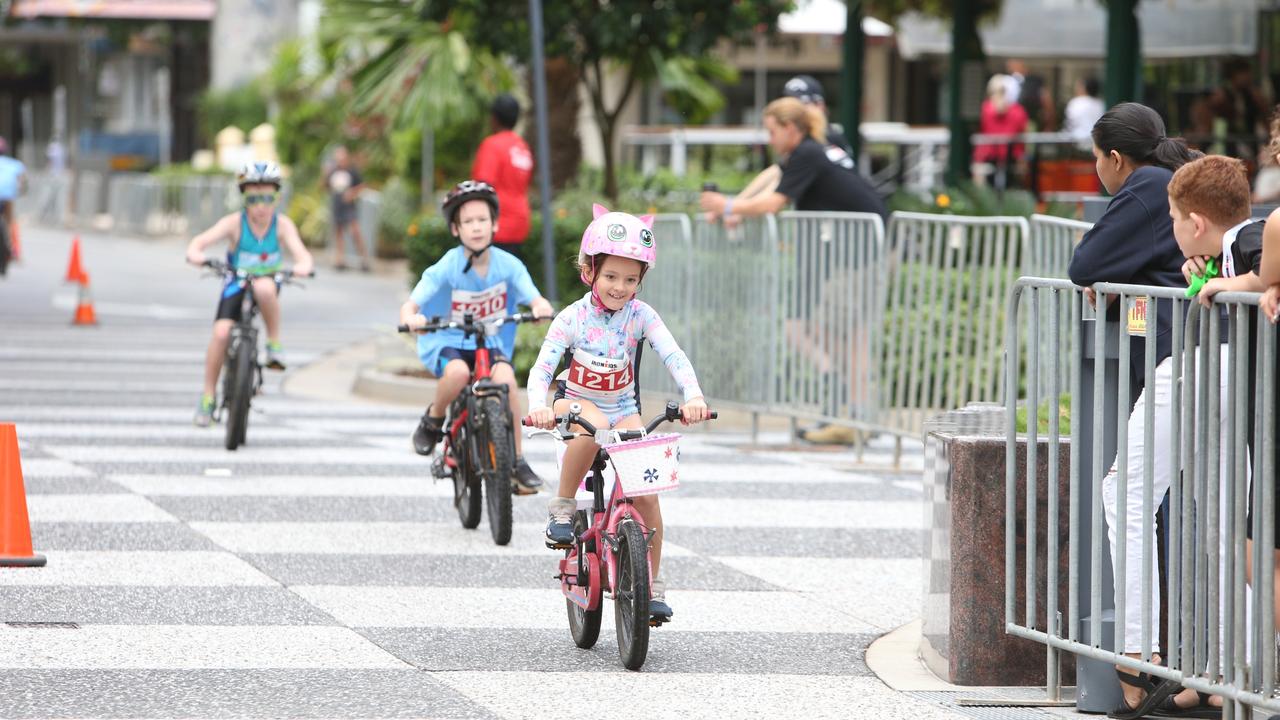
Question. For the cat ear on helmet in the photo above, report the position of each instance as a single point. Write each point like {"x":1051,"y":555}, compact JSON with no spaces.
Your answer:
{"x":647,"y":220}
{"x":597,"y":210}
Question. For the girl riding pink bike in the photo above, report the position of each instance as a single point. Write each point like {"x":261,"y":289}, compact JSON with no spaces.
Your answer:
{"x":601,"y":333}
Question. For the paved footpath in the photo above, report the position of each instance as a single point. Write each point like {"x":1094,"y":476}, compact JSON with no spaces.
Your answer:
{"x":317,"y":572}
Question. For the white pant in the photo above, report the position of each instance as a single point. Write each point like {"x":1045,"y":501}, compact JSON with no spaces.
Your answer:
{"x":1162,"y":475}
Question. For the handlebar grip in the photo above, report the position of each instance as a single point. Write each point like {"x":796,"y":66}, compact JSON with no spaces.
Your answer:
{"x":714,"y":415}
{"x":403,"y":328}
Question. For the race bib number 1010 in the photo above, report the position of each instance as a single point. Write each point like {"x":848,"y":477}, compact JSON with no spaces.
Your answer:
{"x":483,"y":305}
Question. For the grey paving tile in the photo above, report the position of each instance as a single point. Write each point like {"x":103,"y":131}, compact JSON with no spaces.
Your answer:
{"x":117,"y":536}
{"x":689,"y":573}
{"x":796,"y":491}
{"x":447,"y":649}
{"x":309,"y":509}
{"x":121,"y":605}
{"x":72,"y":485}
{"x":798,"y":542}
{"x":230,"y":694}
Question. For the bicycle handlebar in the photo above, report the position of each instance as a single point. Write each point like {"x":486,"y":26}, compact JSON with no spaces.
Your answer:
{"x":469,"y":325}
{"x":671,"y":413}
{"x":280,"y":275}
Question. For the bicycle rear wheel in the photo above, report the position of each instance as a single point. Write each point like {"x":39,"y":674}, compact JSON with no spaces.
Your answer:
{"x":466,"y":486}
{"x":584,"y":625}
{"x":497,"y":453}
{"x":631,"y":597}
{"x":242,"y":389}
{"x":4,"y":246}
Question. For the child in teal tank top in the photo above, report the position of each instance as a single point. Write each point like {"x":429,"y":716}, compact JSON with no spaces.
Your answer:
{"x":255,"y":235}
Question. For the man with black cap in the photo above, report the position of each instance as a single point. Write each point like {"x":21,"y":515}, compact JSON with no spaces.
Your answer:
{"x":808,"y":90}
{"x":504,"y":161}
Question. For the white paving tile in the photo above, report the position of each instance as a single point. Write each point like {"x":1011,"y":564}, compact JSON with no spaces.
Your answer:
{"x":246,"y":455}
{"x":190,"y":647}
{"x":167,"y":431}
{"x":95,"y":508}
{"x":691,"y":696}
{"x":89,"y":385}
{"x":142,"y":568}
{"x":52,"y":467}
{"x":382,"y":538}
{"x":703,"y":611}
{"x":286,"y":485}
{"x":728,"y":512}
{"x":842,"y":584}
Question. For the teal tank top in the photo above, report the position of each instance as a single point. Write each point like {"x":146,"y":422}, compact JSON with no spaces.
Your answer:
{"x":257,"y":254}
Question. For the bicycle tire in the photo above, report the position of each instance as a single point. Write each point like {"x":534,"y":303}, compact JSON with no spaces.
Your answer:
{"x":4,"y":246}
{"x":631,"y":596}
{"x":466,"y":487}
{"x":495,"y":446}
{"x":584,"y":625}
{"x":238,"y":410}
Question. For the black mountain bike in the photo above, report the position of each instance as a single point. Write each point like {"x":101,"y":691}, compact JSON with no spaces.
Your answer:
{"x":241,"y":371}
{"x":479,"y":446}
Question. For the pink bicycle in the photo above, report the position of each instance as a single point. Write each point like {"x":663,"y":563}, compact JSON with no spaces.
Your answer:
{"x":610,"y":553}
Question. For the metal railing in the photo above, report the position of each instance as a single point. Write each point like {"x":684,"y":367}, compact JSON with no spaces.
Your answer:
{"x":949,"y":277}
{"x":1207,"y":420}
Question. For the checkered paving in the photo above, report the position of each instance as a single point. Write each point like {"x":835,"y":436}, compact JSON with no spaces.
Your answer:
{"x":319,"y":572}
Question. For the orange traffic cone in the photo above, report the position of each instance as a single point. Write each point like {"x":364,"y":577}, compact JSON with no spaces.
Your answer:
{"x":74,"y":271}
{"x":15,"y":528}
{"x":84,"y":307}
{"x":15,"y":245}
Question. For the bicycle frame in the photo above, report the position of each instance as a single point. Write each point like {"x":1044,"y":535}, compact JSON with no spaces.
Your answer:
{"x":603,"y":532}
{"x":481,"y":386}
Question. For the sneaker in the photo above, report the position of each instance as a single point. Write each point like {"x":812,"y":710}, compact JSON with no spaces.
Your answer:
{"x":658,"y":608}
{"x":427,"y":434}
{"x":527,"y":481}
{"x":275,"y":355}
{"x":830,"y":435}
{"x":560,"y":523}
{"x":204,"y":411}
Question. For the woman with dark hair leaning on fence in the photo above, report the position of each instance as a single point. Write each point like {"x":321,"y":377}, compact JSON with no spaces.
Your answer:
{"x":1133,"y":243}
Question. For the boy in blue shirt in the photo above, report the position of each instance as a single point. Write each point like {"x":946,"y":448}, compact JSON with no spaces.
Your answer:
{"x":474,"y":272}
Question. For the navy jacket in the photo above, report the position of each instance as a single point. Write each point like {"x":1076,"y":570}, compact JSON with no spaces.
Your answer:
{"x":1133,"y":243}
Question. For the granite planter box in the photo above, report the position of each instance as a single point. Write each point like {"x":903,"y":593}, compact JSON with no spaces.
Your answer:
{"x":964,"y":640}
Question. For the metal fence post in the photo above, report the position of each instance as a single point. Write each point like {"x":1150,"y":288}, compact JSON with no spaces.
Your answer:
{"x":1097,"y":689}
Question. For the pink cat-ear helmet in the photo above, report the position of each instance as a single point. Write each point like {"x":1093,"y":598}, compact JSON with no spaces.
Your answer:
{"x":620,"y":234}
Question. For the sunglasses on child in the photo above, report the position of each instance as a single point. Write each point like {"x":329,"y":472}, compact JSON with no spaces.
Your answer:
{"x":263,"y":199}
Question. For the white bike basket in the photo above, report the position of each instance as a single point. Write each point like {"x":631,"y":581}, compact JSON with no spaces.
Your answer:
{"x":647,"y":466}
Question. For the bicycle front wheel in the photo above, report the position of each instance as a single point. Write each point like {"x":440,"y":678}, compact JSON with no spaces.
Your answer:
{"x":497,"y":457}
{"x":631,"y":597}
{"x":242,"y":389}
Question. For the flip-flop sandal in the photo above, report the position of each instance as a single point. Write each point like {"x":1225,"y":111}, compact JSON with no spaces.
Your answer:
{"x":1202,"y":708}
{"x":1156,"y":689}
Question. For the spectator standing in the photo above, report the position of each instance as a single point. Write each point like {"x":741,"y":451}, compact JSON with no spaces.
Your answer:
{"x":1084,"y":110}
{"x":808,"y":90}
{"x":504,"y":161}
{"x":1133,"y":242}
{"x":345,"y":184}
{"x":1000,"y":116}
{"x":1240,"y":104}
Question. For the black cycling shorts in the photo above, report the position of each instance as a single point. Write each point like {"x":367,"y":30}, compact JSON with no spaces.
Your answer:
{"x":467,"y":356}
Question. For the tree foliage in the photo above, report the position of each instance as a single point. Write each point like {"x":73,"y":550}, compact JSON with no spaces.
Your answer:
{"x":663,"y":41}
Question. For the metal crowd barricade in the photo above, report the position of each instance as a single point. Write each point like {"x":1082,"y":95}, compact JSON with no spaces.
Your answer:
{"x":1220,"y":637}
{"x":723,"y":318}
{"x":949,"y":278}
{"x":831,"y":289}
{"x":1052,"y":242}
{"x":88,"y":197}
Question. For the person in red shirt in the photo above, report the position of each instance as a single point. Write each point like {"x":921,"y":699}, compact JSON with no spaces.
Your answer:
{"x":504,"y":161}
{"x":999,"y":117}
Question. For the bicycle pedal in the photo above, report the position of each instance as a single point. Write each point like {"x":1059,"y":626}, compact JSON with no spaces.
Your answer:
{"x":658,"y":622}
{"x":559,"y":546}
